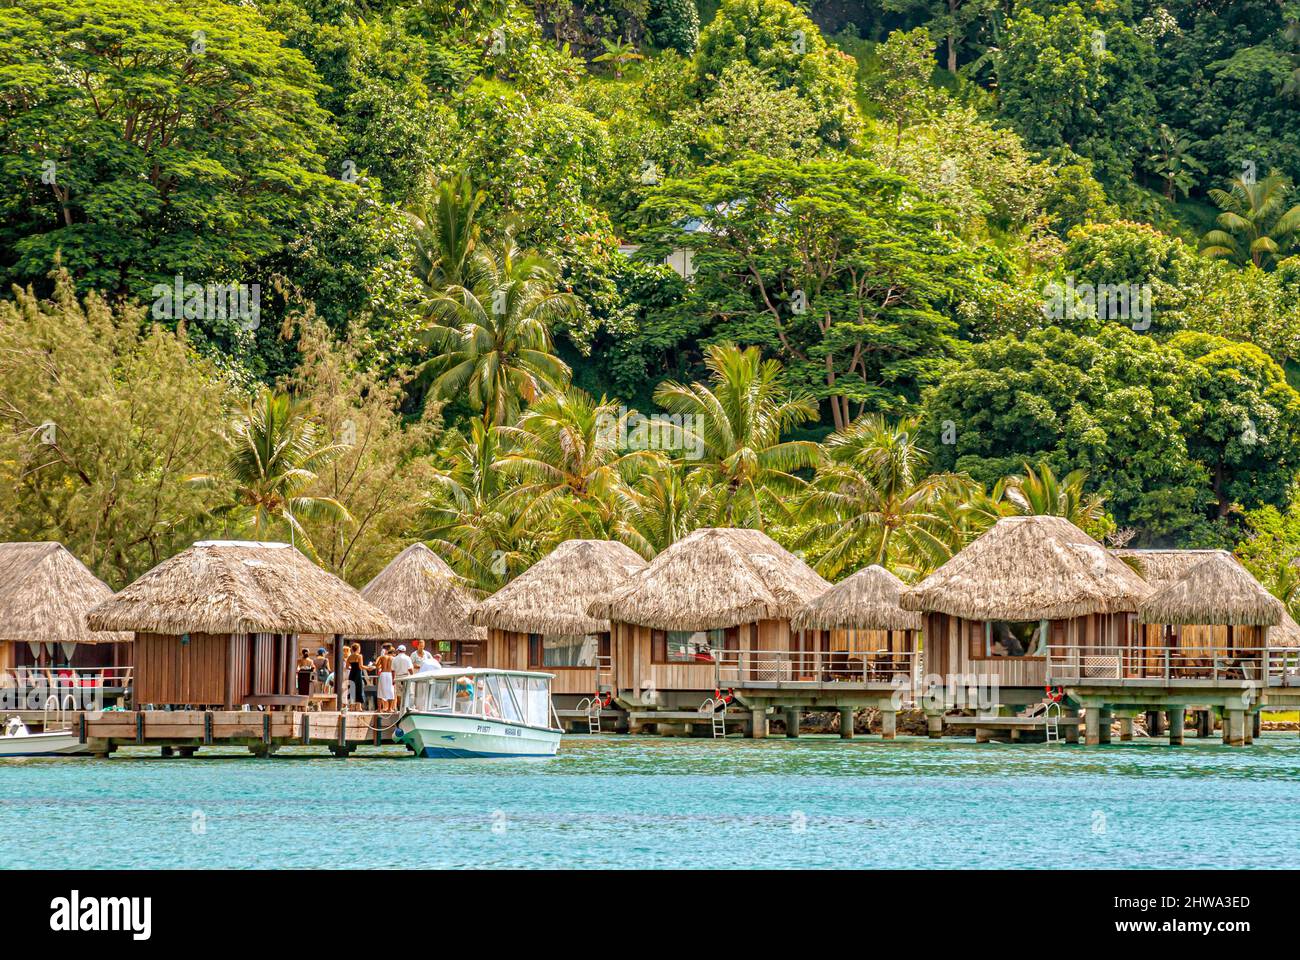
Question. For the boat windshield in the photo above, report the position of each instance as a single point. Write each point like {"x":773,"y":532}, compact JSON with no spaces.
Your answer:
{"x":513,"y":699}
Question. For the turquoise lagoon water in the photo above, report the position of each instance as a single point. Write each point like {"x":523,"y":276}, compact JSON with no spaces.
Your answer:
{"x":644,"y":802}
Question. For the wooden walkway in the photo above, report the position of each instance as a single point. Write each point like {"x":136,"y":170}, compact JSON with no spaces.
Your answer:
{"x":262,"y":732}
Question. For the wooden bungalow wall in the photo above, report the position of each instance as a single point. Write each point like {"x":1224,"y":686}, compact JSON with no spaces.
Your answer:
{"x":508,"y":650}
{"x":954,"y":647}
{"x":213,"y":669}
{"x":636,"y":671}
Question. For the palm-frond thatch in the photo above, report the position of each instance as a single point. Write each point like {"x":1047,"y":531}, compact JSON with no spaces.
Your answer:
{"x":1218,"y":590}
{"x":424,"y":597}
{"x":1159,"y":567}
{"x":221,"y":586}
{"x":1286,"y":633}
{"x":45,"y":592}
{"x":868,"y":600}
{"x":714,"y":578}
{"x":1029,"y":568}
{"x":552,"y":595}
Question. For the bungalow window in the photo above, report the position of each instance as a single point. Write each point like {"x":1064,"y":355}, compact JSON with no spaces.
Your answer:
{"x":565,"y":650}
{"x":685,"y":646}
{"x":1015,"y":638}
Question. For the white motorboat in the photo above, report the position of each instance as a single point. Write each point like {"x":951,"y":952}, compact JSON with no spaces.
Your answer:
{"x":17,"y":741}
{"x":478,"y":712}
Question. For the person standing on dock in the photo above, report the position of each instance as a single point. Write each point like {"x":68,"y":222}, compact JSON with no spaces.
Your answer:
{"x":306,"y":667}
{"x":356,"y":678}
{"x":384,"y":691}
{"x":401,"y":668}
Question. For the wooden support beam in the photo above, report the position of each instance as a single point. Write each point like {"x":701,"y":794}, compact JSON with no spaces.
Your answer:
{"x":230,"y":673}
{"x":1176,"y":717}
{"x":139,"y":726}
{"x":207,"y":727}
{"x":1256,"y":725}
{"x":1204,"y":723}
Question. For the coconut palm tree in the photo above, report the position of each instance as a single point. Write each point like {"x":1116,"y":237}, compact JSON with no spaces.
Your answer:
{"x":276,"y":451}
{"x":470,"y":521}
{"x":1257,"y":225}
{"x":668,"y":503}
{"x":1040,"y":493}
{"x":567,"y":452}
{"x":736,"y":422}
{"x":493,"y":336}
{"x":872,"y":501}
{"x":446,"y":234}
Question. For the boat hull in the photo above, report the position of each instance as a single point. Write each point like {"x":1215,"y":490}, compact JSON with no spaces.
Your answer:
{"x":443,"y":736}
{"x":41,"y":745}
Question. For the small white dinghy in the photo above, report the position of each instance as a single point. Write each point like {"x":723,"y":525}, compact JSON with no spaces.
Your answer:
{"x":17,"y":741}
{"x":478,"y":712}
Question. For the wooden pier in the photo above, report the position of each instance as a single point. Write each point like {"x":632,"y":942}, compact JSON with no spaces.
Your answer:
{"x":262,"y":732}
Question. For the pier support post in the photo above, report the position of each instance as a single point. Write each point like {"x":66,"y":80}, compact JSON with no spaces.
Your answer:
{"x":165,"y":751}
{"x":792,"y":722}
{"x":1234,"y":728}
{"x":1176,"y":716}
{"x":1071,"y":728}
{"x":1256,"y":725}
{"x":1155,"y":723}
{"x":758,"y":723}
{"x":846,"y":723}
{"x":983,"y":734}
{"x":1125,"y":728}
{"x":888,"y":724}
{"x":1204,"y":724}
{"x":1092,"y":727}
{"x":1104,"y":720}
{"x":934,"y":725}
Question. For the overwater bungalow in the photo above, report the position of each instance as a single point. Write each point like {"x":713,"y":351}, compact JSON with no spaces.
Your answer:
{"x":220,"y":625}
{"x":867,"y":635}
{"x":428,"y":601}
{"x":45,"y":593}
{"x":539,"y":620}
{"x":1029,"y":587}
{"x":712,"y":611}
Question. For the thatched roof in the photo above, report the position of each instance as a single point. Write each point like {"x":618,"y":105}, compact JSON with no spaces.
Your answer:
{"x":868,"y":600}
{"x":424,"y":597}
{"x":552,"y":595}
{"x":1029,"y":568}
{"x":1217,"y":590}
{"x":1286,"y":633}
{"x":713,"y":578}
{"x":45,"y":592}
{"x":1158,"y":567}
{"x":222,"y":586}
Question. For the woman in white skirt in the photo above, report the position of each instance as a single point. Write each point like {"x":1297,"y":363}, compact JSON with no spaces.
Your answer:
{"x":384,"y":694}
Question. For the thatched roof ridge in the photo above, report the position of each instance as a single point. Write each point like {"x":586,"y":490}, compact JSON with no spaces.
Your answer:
{"x":1160,"y":566}
{"x":424,"y":597}
{"x":868,"y":600}
{"x":1029,"y":568}
{"x":714,"y":578}
{"x":226,"y":586}
{"x":1218,"y":590}
{"x":45,"y":592}
{"x":552,"y":595}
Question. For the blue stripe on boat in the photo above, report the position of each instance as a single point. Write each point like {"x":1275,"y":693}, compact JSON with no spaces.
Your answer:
{"x":452,"y":753}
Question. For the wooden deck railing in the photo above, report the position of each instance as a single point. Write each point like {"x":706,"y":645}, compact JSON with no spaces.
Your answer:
{"x":738,"y":667}
{"x":1073,"y":663}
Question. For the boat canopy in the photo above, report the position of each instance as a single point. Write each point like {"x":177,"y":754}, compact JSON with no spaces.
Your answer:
{"x":454,"y":672}
{"x":511,"y":696}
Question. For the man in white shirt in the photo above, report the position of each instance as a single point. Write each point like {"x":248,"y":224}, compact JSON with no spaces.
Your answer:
{"x":401,"y":666}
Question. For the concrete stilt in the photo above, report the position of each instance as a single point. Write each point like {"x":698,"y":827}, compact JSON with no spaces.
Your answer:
{"x":1155,"y":723}
{"x":1125,"y":728}
{"x":934,"y":725}
{"x":1071,"y":729}
{"x":1248,"y":728}
{"x":846,"y":723}
{"x":1204,"y":724}
{"x":983,"y":734}
{"x":888,"y":724}
{"x":758,"y":724}
{"x":1256,"y":725}
{"x":1176,"y":716}
{"x":1234,"y":727}
{"x":1092,"y":727}
{"x":1104,"y":721}
{"x":792,"y":722}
